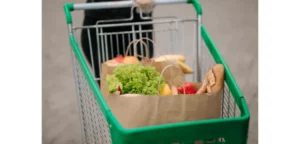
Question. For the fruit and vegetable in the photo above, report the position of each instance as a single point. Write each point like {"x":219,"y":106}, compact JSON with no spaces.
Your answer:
{"x":123,"y":60}
{"x":179,"y":60}
{"x":187,"y":88}
{"x":131,"y":77}
{"x":114,"y":85}
{"x":166,"y":90}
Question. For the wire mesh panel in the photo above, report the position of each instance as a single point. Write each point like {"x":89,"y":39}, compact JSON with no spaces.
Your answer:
{"x":94,"y":125}
{"x":170,"y":36}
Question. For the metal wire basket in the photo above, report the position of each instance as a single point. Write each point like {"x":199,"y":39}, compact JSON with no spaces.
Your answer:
{"x":185,"y":36}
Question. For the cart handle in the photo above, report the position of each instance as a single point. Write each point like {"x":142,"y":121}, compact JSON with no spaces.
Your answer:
{"x":122,"y":4}
{"x":119,"y":4}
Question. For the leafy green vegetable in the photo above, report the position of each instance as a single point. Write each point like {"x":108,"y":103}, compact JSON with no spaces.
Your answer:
{"x":113,"y":83}
{"x":136,"y":79}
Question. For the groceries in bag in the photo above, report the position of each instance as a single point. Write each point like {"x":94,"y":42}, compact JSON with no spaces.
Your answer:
{"x":179,"y":60}
{"x":164,"y":102}
{"x":153,"y":91}
{"x":139,"y":79}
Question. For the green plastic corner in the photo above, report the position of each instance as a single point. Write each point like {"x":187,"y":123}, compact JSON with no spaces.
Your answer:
{"x":196,"y":5}
{"x":68,"y":8}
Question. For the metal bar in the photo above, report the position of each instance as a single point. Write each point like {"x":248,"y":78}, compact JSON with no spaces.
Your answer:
{"x":91,"y":52}
{"x":102,"y":47}
{"x":106,"y":47}
{"x":98,"y":47}
{"x":129,"y":32}
{"x":177,"y":35}
{"x":182,"y":34}
{"x":137,"y":23}
{"x":171,"y":38}
{"x":134,"y":38}
{"x":123,"y":41}
{"x":70,"y":29}
{"x":112,"y":47}
{"x":120,"y":4}
{"x":195,"y":51}
{"x":147,"y":35}
{"x":117,"y":38}
{"x":199,"y":50}
{"x":129,"y":40}
{"x":103,"y":5}
{"x":97,"y":79}
{"x":141,"y":36}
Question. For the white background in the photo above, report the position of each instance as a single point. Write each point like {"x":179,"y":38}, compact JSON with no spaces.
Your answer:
{"x":279,"y":74}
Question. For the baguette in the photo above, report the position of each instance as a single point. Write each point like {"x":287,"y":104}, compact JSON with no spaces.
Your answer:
{"x":213,"y":81}
{"x":203,"y":88}
{"x":171,"y":57}
{"x":185,"y":68}
{"x":218,"y":71}
{"x":179,"y":59}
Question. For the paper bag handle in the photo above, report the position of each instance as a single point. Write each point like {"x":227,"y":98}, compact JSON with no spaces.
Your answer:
{"x":147,"y":56}
{"x":164,"y":69}
{"x":145,"y":45}
{"x":136,"y":41}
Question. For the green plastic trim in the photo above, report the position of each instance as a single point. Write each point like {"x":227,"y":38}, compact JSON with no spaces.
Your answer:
{"x":88,"y":74}
{"x":247,"y":118}
{"x":196,"y":5}
{"x":68,"y":8}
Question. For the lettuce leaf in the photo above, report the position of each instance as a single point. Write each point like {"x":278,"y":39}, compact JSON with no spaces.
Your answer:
{"x":113,"y":83}
{"x":136,"y":79}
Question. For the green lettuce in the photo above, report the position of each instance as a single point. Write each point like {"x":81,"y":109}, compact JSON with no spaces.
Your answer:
{"x":113,"y":83}
{"x":136,"y":79}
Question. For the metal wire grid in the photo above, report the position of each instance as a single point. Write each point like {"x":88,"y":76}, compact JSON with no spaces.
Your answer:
{"x":109,"y":42}
{"x":94,"y":124}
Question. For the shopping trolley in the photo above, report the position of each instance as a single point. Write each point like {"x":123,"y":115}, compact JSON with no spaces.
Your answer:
{"x":186,"y":36}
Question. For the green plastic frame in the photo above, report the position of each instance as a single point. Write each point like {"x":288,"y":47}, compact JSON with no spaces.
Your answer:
{"x":234,"y":130}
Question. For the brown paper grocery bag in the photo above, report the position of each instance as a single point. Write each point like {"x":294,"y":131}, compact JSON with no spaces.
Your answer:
{"x":134,"y":110}
{"x":105,"y":70}
{"x":138,"y":110}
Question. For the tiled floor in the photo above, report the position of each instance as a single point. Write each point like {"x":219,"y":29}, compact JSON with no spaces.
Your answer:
{"x":231,"y":23}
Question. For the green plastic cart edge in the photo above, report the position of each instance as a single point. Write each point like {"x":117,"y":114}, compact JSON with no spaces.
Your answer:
{"x":245,"y":115}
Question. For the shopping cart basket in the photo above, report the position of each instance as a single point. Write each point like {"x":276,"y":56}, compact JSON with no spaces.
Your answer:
{"x":99,"y":126}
